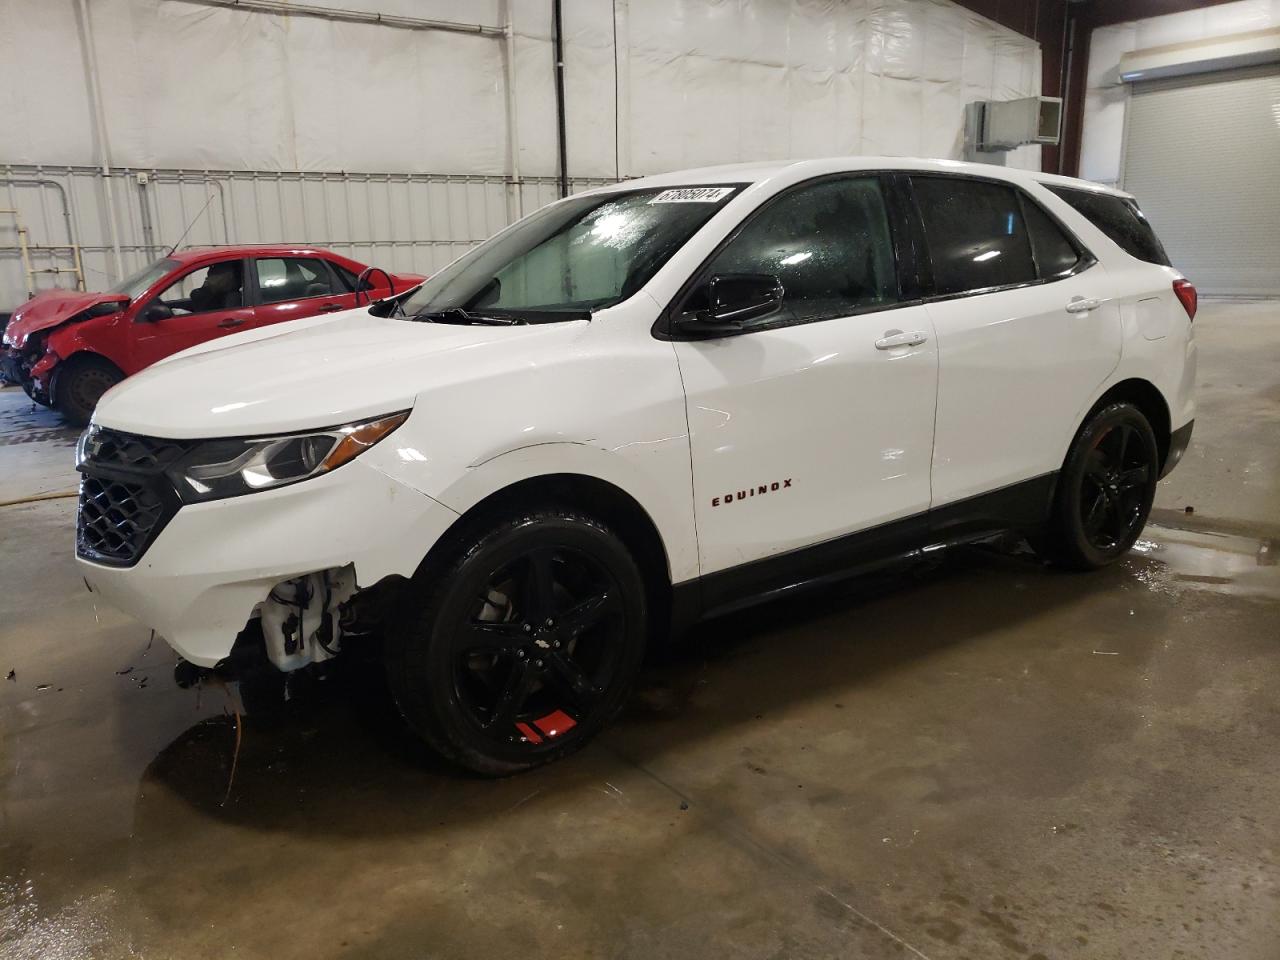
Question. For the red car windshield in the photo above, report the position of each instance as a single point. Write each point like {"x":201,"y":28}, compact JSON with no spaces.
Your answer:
{"x":143,"y":278}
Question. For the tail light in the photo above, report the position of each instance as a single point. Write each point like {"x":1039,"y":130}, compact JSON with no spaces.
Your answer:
{"x":1185,"y":291}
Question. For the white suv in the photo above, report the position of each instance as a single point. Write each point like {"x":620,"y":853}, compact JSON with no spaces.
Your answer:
{"x":640,"y":406}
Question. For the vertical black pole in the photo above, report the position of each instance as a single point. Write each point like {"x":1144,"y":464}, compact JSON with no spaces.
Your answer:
{"x":558,"y":43}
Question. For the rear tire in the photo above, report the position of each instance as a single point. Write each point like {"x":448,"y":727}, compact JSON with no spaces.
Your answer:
{"x":522,"y":643}
{"x":1105,"y":490}
{"x":80,"y":385}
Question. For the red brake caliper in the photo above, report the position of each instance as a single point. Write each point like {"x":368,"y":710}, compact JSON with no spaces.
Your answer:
{"x":552,"y":725}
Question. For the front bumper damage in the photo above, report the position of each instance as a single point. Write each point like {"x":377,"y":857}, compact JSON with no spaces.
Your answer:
{"x":215,"y":565}
{"x":10,"y":366}
{"x":31,"y":369}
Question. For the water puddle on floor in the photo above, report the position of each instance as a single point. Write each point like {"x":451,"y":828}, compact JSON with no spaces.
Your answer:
{"x":83,"y":929}
{"x":25,"y":422}
{"x":1227,"y":564}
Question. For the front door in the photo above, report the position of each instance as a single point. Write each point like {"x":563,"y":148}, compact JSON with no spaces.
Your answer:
{"x":202,"y":304}
{"x":817,"y":421}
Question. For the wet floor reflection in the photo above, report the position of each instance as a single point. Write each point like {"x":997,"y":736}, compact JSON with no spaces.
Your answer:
{"x":329,"y":752}
{"x":25,"y":422}
{"x":873,"y":696}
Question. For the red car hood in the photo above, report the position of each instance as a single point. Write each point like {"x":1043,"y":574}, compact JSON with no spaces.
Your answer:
{"x":49,"y":309}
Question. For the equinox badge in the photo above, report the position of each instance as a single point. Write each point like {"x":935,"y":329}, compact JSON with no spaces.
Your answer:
{"x":761,"y":490}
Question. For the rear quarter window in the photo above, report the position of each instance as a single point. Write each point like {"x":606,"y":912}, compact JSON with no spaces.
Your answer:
{"x":1120,"y":219}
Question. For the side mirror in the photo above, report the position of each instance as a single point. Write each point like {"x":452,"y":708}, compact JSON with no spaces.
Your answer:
{"x":364,"y":283}
{"x":108,"y":306}
{"x":733,"y":299}
{"x":154,"y":312}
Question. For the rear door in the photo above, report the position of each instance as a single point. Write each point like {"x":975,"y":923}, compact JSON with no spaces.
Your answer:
{"x":205,"y":302}
{"x":1146,"y":295}
{"x":1026,"y":333}
{"x":287,"y":288}
{"x":815,"y":422}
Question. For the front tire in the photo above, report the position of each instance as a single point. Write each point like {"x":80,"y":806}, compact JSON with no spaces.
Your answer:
{"x":1105,"y":490}
{"x":29,"y":388}
{"x":81,"y":385}
{"x":522,"y":644}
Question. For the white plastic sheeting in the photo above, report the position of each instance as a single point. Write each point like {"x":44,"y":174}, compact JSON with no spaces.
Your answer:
{"x":651,"y":86}
{"x":714,"y":81}
{"x":693,"y":82}
{"x":1106,"y":97}
{"x":185,"y":85}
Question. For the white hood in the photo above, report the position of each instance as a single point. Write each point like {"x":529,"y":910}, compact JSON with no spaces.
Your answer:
{"x":318,"y":372}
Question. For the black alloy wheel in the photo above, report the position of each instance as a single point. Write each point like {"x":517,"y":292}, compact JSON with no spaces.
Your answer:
{"x":525,"y":646}
{"x":1105,"y":489}
{"x":1115,"y":483}
{"x":540,"y":647}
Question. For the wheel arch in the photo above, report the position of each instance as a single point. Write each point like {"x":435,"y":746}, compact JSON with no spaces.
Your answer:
{"x":599,"y":498}
{"x":74,"y":359}
{"x":1146,"y":396}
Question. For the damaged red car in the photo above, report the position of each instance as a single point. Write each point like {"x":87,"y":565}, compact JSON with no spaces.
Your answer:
{"x":67,"y":347}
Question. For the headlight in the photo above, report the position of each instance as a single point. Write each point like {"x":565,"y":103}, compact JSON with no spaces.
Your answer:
{"x":228,"y":468}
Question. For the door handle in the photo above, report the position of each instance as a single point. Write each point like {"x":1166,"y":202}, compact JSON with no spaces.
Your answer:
{"x":891,"y":340}
{"x":231,"y":322}
{"x":332,"y":308}
{"x":1083,"y":304}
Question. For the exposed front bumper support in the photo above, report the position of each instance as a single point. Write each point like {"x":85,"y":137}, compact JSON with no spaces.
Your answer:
{"x":199,"y":582}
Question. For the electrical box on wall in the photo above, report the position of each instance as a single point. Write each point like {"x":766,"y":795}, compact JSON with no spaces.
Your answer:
{"x":1006,"y":124}
{"x":994,"y":127}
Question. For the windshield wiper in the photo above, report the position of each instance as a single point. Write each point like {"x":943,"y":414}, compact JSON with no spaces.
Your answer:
{"x":458,"y":315}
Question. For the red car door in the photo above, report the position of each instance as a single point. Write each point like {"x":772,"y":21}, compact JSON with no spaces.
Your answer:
{"x":207,"y":301}
{"x":287,"y":288}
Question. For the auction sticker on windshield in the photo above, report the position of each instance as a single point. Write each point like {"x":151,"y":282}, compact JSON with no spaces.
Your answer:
{"x":693,"y":195}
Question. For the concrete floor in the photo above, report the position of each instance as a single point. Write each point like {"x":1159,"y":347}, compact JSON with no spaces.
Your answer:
{"x":984,"y":760}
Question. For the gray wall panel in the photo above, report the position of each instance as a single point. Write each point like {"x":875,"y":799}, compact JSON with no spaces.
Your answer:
{"x":413,"y":223}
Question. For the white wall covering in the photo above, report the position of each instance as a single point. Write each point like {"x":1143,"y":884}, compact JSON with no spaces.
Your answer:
{"x":714,"y":81}
{"x":651,"y":85}
{"x":185,"y":85}
{"x":1106,"y":97}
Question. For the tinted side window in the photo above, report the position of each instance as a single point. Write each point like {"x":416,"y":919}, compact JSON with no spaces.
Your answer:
{"x":1120,"y":219}
{"x":975,"y":234}
{"x":293,"y":278}
{"x":219,"y":286}
{"x":345,"y":277}
{"x":1055,"y":253}
{"x":828,"y":242}
{"x":348,"y":279}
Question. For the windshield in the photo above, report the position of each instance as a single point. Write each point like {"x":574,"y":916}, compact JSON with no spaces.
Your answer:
{"x":572,"y":257}
{"x":143,"y":278}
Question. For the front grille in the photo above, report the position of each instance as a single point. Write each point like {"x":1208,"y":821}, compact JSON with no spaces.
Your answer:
{"x":117,"y":519}
{"x":125,"y":497}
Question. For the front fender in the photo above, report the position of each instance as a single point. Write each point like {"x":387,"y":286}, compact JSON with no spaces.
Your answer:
{"x":602,"y":399}
{"x":100,"y":336}
{"x":668,"y":504}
